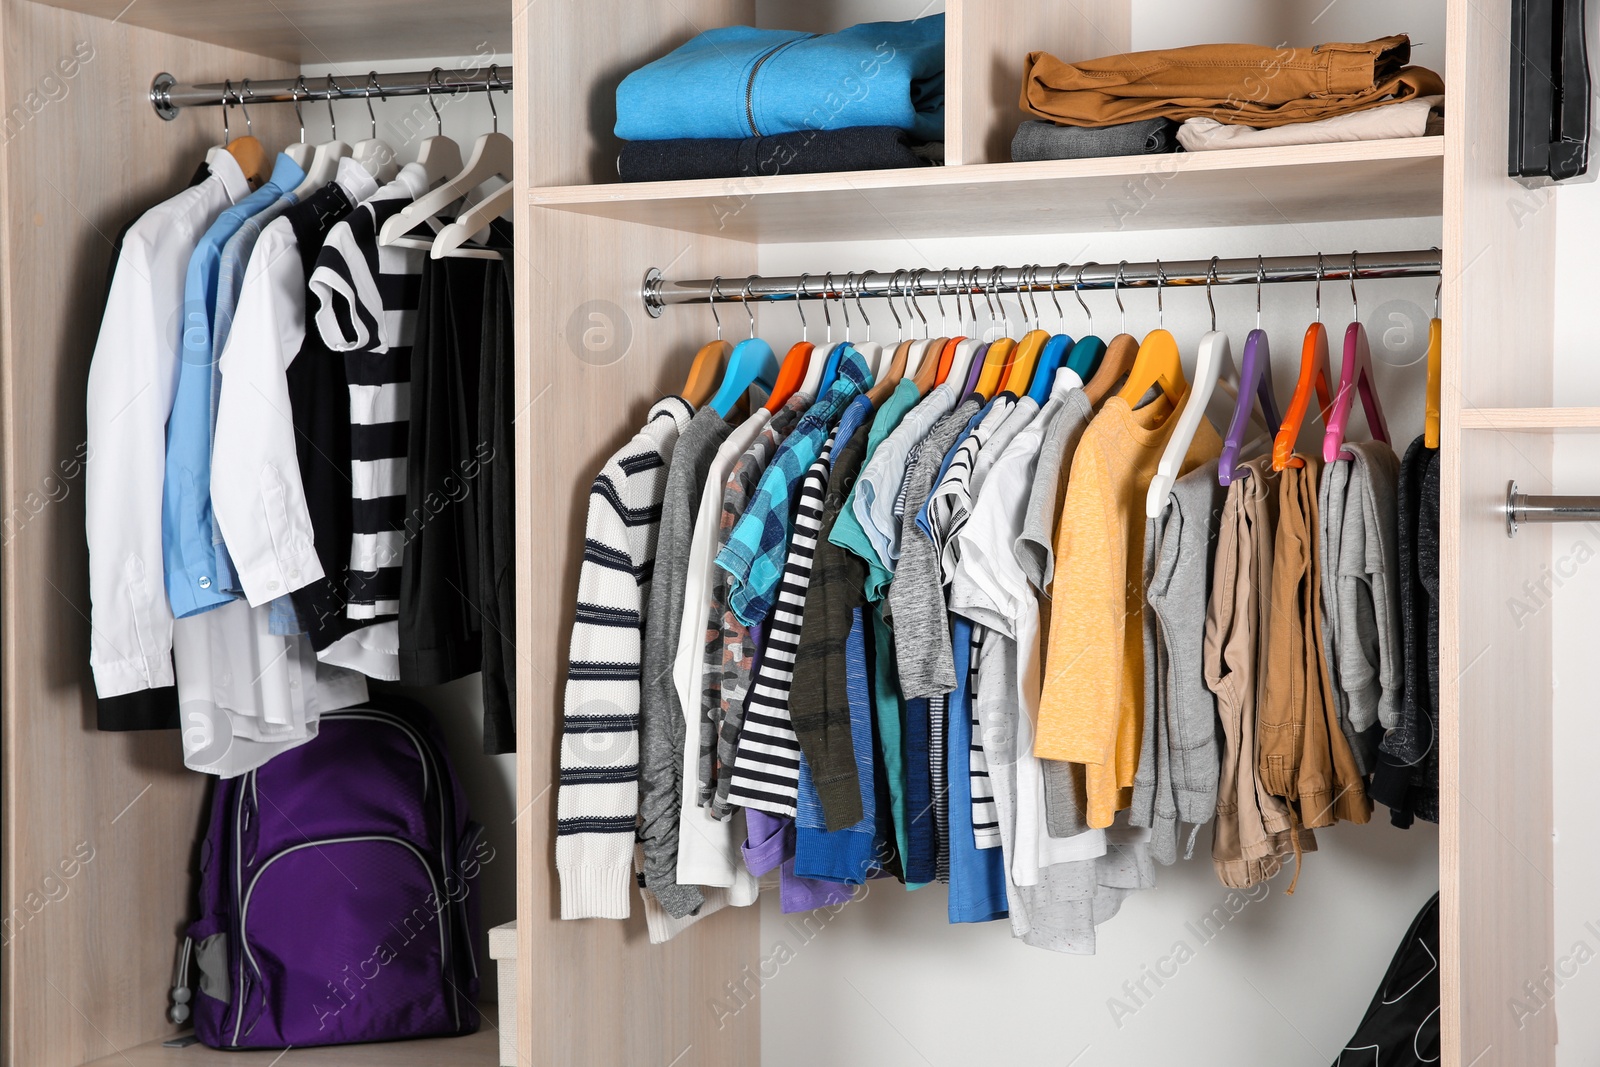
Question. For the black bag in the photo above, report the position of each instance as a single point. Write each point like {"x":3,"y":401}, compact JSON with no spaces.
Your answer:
{"x":1401,"y":1027}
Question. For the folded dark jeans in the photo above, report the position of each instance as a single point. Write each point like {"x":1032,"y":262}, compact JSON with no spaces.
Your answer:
{"x":808,"y":152}
{"x":1037,"y":139}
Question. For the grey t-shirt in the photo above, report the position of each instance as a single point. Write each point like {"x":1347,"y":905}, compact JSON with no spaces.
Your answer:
{"x":662,"y":730}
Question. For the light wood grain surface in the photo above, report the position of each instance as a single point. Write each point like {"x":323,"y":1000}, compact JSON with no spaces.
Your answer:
{"x":474,"y":1050}
{"x":1497,"y":895}
{"x":88,"y":973}
{"x":1532,"y":420}
{"x":315,"y":31}
{"x":590,"y":364}
{"x":1241,"y":187}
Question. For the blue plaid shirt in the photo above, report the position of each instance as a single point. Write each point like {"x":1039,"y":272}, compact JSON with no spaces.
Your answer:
{"x":756,"y":549}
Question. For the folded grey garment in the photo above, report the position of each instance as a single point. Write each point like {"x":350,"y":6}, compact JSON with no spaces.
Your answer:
{"x":1037,"y":139}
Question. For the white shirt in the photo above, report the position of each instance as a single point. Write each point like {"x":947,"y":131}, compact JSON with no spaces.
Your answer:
{"x":708,"y":847}
{"x":132,"y":380}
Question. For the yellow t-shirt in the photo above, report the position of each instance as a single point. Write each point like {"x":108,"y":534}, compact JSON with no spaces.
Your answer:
{"x":1092,"y":707}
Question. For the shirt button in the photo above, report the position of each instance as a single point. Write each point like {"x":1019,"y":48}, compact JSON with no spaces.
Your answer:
{"x":272,"y":585}
{"x":294,"y":576}
{"x":205,"y":583}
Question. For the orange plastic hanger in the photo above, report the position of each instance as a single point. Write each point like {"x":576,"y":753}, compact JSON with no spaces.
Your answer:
{"x":1430,"y":430}
{"x":792,"y":371}
{"x":1018,"y":374}
{"x":705,"y":373}
{"x":1158,"y":361}
{"x":1314,"y":374}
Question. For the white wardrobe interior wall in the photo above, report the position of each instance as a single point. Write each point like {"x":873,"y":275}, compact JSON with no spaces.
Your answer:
{"x":1260,"y":977}
{"x":404,"y":122}
{"x":1570,"y":587}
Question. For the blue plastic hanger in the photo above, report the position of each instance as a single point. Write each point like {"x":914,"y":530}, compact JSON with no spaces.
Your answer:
{"x":831,"y":370}
{"x":1055,"y":350}
{"x":752,"y":361}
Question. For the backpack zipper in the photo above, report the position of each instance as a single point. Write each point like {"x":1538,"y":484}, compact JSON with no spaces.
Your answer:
{"x":750,"y":83}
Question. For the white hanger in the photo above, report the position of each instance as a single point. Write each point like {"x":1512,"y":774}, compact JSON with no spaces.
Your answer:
{"x":961,"y":360}
{"x":300,"y":152}
{"x":820,"y":354}
{"x":1215,"y":358}
{"x":871,"y":350}
{"x":374,"y":154}
{"x":325,"y":160}
{"x":452,"y":240}
{"x":491,"y":157}
{"x":439,"y":156}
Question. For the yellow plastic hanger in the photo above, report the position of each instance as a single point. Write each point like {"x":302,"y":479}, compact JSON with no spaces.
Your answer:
{"x":1430,"y":432}
{"x":1158,"y":361}
{"x":1019,"y":372}
{"x":998,"y":358}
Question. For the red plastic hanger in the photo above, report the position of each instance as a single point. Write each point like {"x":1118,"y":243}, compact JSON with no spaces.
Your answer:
{"x":1355,"y":373}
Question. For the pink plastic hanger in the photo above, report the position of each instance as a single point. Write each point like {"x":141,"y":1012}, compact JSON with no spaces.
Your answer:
{"x":1355,"y":373}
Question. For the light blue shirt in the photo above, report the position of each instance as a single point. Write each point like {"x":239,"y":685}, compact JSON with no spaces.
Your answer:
{"x":198,"y":571}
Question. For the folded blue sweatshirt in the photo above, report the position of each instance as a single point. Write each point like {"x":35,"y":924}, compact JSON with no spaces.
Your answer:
{"x":740,"y":81}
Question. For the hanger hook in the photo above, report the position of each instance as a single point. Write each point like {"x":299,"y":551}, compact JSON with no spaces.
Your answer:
{"x":493,"y":82}
{"x":1116,"y":288}
{"x":800,"y":306}
{"x":432,"y":83}
{"x":1077,"y":291}
{"x":1261,"y":275}
{"x":372,"y":80}
{"x":916,"y":305}
{"x":1438,"y":287}
{"x":844,"y":302}
{"x":861,"y":287}
{"x":1319,"y":286}
{"x":972,"y":305}
{"x":250,"y":94}
{"x":938,"y":300}
{"x":894,"y":284}
{"x":988,"y":292}
{"x":333,"y":127}
{"x":716,"y":291}
{"x":227,"y":90}
{"x":1055,"y":293}
{"x":1355,"y":306}
{"x":294,"y":92}
{"x":1211,"y":276}
{"x":745,"y":300}
{"x":1160,"y":283}
{"x":827,"y":316}
{"x":1033,"y":293}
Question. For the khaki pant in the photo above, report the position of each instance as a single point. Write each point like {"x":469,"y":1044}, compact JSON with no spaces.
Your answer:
{"x":1239,"y":84}
{"x":1254,"y":830}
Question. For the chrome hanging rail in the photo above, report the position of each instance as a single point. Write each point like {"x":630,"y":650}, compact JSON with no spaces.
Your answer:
{"x":168,"y":97}
{"x":659,"y":291}
{"x":1521,"y":508}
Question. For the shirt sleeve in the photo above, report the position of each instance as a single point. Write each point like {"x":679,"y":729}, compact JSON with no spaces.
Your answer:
{"x":132,"y":378}
{"x":256,"y":491}
{"x":349,"y":303}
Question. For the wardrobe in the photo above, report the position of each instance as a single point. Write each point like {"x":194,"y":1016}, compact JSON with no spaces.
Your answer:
{"x":87,"y":960}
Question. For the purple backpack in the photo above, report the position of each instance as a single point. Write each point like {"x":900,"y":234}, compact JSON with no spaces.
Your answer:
{"x":338,"y":892}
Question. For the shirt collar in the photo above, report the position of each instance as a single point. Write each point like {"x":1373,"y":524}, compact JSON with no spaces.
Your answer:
{"x":1066,"y":380}
{"x":226,"y":170}
{"x":353,"y":178}
{"x":286,"y":173}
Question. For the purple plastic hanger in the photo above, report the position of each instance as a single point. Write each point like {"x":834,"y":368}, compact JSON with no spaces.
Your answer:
{"x":1355,"y":373}
{"x":1255,"y":383}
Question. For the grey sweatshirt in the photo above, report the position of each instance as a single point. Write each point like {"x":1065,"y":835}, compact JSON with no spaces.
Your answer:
{"x":662,"y":729}
{"x":1178,"y":767}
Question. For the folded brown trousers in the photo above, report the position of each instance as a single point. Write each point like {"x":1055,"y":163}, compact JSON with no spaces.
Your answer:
{"x":1241,"y":84}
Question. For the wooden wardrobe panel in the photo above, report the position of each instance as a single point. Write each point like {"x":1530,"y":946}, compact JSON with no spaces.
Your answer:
{"x":86,"y":974}
{"x":986,"y":42}
{"x":577,"y":54}
{"x":593,"y":364}
{"x":1496,"y":878}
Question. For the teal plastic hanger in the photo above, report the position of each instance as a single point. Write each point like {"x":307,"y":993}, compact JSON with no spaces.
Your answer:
{"x":752,"y":361}
{"x":1086,"y":354}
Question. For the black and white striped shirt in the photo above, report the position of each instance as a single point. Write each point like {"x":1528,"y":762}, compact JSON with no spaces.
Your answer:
{"x":766,"y":772}
{"x":368,"y":296}
{"x":597,"y":803}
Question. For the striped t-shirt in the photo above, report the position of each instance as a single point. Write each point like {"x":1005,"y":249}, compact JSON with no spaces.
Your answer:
{"x":766,"y":772}
{"x":368,"y":296}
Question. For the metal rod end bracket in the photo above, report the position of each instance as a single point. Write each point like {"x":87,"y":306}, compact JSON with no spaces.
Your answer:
{"x":159,"y":98}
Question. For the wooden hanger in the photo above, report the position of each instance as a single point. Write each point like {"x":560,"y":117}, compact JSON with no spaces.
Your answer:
{"x":1158,"y":361}
{"x":325,"y":160}
{"x":1355,"y":373}
{"x":926,"y":376}
{"x":1118,"y":359}
{"x":1430,"y":424}
{"x":1255,"y":384}
{"x":752,"y":362}
{"x":249,"y":153}
{"x":491,"y":158}
{"x":705,"y":372}
{"x":895,"y":371}
{"x":1314,"y":375}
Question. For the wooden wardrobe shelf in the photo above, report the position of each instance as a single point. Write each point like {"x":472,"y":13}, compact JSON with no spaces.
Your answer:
{"x":1297,"y":184}
{"x":1532,"y":420}
{"x":481,"y":1049}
